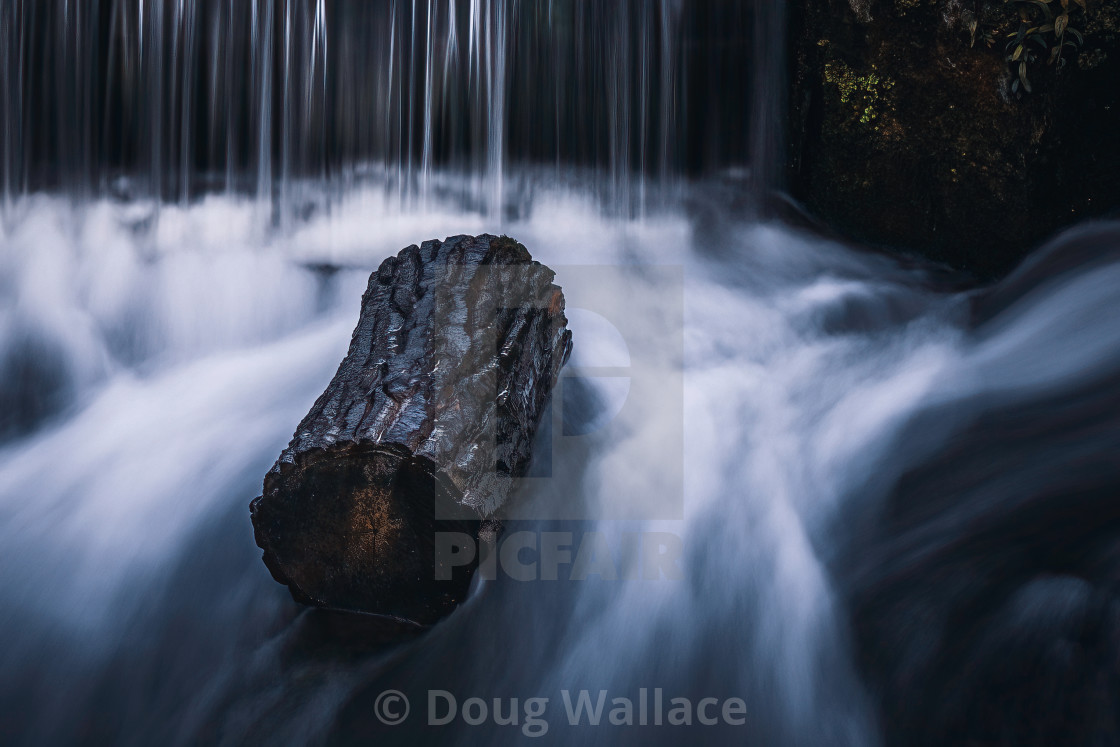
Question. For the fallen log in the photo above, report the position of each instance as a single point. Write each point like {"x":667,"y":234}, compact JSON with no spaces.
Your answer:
{"x":423,"y":429}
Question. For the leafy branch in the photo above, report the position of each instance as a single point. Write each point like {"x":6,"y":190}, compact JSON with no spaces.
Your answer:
{"x":1033,"y":38}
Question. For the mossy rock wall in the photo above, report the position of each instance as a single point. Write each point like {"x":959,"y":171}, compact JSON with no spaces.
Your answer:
{"x":908,"y":128}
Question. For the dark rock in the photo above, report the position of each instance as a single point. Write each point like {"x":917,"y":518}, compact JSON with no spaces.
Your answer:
{"x":983,"y":580}
{"x":423,"y":429}
{"x":907,"y":129}
{"x":985,"y":608}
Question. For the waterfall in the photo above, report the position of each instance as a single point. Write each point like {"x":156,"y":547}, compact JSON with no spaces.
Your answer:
{"x":175,"y":100}
{"x":881,"y":480}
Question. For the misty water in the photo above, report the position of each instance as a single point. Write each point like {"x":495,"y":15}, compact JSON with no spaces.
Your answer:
{"x":844,"y":442}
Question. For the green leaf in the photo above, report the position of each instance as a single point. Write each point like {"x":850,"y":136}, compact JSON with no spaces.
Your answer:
{"x":1060,"y":24}
{"x":1044,"y":6}
{"x":1023,"y":76}
{"x":1018,"y":53}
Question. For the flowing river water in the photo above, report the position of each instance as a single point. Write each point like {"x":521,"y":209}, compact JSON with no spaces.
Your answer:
{"x":888,"y":497}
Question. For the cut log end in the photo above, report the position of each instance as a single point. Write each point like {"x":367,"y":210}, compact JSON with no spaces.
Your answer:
{"x":352,"y":527}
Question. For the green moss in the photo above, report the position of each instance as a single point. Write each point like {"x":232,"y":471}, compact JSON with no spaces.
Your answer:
{"x":865,"y":94}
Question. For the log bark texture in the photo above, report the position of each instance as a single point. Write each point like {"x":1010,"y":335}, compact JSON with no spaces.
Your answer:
{"x":423,"y":429}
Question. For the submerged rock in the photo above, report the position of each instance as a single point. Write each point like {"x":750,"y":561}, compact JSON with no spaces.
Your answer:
{"x":912,"y":125}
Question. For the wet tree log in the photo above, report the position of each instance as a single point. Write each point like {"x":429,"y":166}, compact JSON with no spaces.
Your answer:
{"x":423,"y":429}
